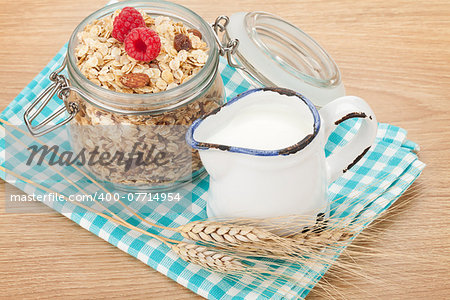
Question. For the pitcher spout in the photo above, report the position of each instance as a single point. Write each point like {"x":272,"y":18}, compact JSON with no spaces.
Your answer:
{"x":215,"y":157}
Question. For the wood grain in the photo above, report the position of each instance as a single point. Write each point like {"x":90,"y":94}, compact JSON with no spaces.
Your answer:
{"x":395,"y":54}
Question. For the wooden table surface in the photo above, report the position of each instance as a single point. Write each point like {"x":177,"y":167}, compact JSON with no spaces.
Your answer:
{"x":394,"y":54}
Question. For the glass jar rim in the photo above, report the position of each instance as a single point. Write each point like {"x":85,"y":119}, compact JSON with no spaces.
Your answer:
{"x":173,"y":97}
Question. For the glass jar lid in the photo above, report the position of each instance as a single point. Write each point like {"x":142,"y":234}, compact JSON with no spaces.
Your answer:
{"x":277,"y":53}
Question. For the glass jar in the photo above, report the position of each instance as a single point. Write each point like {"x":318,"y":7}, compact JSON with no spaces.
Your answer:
{"x":138,"y":139}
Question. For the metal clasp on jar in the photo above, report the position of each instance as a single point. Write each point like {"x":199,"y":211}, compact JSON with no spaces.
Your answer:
{"x":228,"y":49}
{"x":59,"y":87}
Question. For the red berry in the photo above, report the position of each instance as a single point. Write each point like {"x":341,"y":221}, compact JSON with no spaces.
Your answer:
{"x":143,"y":44}
{"x":128,"y":19}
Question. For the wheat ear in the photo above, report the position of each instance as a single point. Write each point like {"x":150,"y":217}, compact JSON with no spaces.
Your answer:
{"x":208,"y":258}
{"x":216,"y":232}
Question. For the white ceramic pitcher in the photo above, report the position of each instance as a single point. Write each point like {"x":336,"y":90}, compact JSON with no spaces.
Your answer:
{"x":263,"y":183}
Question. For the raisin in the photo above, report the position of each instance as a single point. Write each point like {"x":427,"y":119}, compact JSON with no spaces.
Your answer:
{"x":195,"y":32}
{"x":182,"y":42}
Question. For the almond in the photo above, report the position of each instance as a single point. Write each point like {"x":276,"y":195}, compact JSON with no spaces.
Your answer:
{"x":135,"y":80}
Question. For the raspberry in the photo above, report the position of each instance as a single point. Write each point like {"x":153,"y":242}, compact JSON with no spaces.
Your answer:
{"x":128,"y":19}
{"x":143,"y":44}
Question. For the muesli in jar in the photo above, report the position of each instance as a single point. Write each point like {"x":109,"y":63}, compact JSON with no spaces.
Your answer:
{"x":131,"y":52}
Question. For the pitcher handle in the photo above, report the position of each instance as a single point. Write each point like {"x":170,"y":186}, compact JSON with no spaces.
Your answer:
{"x":336,"y":112}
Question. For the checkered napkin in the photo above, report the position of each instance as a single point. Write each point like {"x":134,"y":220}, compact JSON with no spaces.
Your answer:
{"x":389,"y":168}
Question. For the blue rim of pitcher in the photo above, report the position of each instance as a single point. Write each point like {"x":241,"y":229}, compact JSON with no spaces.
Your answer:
{"x":191,"y":141}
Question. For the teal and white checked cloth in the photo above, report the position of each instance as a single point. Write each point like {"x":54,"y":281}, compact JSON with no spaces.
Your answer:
{"x":389,"y":168}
